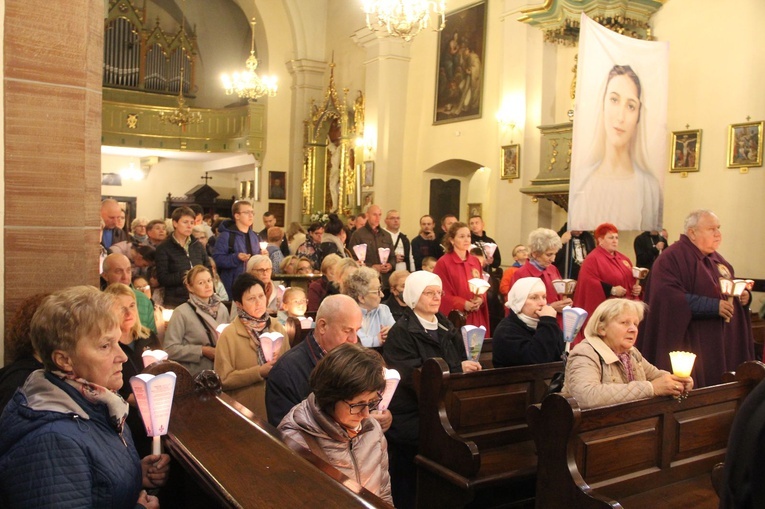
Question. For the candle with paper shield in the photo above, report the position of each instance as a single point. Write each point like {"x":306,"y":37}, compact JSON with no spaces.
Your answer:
{"x":639,"y":273}
{"x":361,"y":252}
{"x":488,"y":248}
{"x":731,"y":288}
{"x":473,"y":337}
{"x":682,"y":363}
{"x":573,"y":319}
{"x":564,"y":287}
{"x":478,"y":286}
{"x":154,"y":397}
{"x":384,"y":254}
{"x":392,"y":378}
{"x":263,"y":246}
{"x":270,"y":343}
{"x":149,"y":357}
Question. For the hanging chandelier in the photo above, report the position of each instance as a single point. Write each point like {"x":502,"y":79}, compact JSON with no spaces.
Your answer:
{"x":247,"y":83}
{"x":182,"y":114}
{"x":404,"y":18}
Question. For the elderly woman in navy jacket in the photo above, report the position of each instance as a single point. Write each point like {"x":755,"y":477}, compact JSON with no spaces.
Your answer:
{"x":65,"y":442}
{"x":529,"y":334}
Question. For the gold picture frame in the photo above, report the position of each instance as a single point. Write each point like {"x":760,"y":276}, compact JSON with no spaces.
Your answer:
{"x":474,"y":209}
{"x":685,"y":152}
{"x":745,"y":144}
{"x":510,"y":162}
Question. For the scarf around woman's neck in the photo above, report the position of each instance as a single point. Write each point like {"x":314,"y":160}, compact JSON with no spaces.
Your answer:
{"x":209,"y":306}
{"x":117,"y":407}
{"x":255,"y":327}
{"x":528,"y":320}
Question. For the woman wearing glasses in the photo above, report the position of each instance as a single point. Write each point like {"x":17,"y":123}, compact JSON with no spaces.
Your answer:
{"x":261,"y":267}
{"x":422,"y":333}
{"x":363,"y":286}
{"x":334,"y":423}
{"x":239,"y":359}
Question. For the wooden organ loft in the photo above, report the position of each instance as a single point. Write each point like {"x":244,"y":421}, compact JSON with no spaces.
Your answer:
{"x":141,"y":78}
{"x":141,"y":57}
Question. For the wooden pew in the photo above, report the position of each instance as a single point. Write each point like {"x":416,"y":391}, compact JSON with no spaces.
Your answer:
{"x":475,"y":446}
{"x":239,"y":461}
{"x":653,"y":453}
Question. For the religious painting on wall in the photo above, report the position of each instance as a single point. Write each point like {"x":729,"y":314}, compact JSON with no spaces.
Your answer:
{"x":474,"y":209}
{"x":745,"y":145}
{"x":510,"y":162}
{"x":686,"y":151}
{"x":461,"y":50}
{"x":619,"y":141}
{"x":367,"y":200}
{"x":369,"y":173}
{"x":276,"y":185}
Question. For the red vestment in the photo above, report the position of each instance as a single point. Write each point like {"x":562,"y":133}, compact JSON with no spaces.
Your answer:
{"x":599,"y":267}
{"x":454,"y":274}
{"x":682,"y":274}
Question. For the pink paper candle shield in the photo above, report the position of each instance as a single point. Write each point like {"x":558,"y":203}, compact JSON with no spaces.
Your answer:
{"x":392,"y":378}
{"x":271,"y":342}
{"x":383,"y":253}
{"x":361,"y":252}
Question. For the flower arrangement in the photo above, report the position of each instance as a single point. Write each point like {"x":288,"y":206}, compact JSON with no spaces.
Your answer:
{"x":320,"y":217}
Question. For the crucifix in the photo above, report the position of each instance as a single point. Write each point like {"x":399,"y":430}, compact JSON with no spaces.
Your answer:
{"x":206,"y":178}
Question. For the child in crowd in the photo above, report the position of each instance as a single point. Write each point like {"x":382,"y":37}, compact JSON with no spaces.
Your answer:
{"x":520,"y":255}
{"x":294,"y":303}
{"x":429,"y":263}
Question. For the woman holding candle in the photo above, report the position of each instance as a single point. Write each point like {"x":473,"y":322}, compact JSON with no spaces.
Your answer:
{"x":455,"y":268}
{"x":334,"y":422}
{"x":240,"y":360}
{"x":134,"y":340}
{"x":605,"y":273}
{"x":530,"y":333}
{"x":544,"y":244}
{"x":422,"y":333}
{"x":192,"y":333}
{"x":606,"y":368}
{"x":64,"y":442}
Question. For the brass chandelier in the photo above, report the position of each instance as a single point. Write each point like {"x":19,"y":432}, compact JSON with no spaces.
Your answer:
{"x":247,"y":83}
{"x":404,"y":18}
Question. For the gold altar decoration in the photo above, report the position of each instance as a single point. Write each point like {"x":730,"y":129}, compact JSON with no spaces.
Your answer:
{"x":559,"y":19}
{"x":331,"y":130}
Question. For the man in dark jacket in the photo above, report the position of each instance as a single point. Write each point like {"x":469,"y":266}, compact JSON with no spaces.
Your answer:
{"x":425,"y":243}
{"x":177,"y":255}
{"x":479,"y":238}
{"x":235,"y":244}
{"x":269,"y":221}
{"x":375,"y":238}
{"x":110,"y":214}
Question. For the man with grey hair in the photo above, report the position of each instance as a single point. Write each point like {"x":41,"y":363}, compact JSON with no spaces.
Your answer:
{"x":117,"y":269}
{"x":337,"y":321}
{"x":686,"y":309}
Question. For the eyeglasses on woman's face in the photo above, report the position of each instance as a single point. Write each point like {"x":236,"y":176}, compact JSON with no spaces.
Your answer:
{"x":377,"y":291}
{"x":432,"y":294}
{"x":357,"y":408}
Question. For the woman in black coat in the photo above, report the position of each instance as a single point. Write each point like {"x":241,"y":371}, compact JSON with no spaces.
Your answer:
{"x":420,"y":334}
{"x":529,"y":334}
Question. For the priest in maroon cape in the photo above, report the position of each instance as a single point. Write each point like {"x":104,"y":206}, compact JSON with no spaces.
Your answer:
{"x":686,"y":309}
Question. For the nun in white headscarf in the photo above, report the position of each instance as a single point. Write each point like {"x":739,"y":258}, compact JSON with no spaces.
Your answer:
{"x":529,"y":334}
{"x":420,"y":334}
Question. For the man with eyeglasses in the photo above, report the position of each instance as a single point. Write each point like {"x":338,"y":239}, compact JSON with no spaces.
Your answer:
{"x":176,"y":256}
{"x":236,"y":243}
{"x":337,"y":322}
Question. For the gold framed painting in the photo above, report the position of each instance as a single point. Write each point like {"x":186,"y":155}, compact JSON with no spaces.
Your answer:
{"x":474,"y":209}
{"x":510,"y":162}
{"x":745,"y":144}
{"x":686,"y":151}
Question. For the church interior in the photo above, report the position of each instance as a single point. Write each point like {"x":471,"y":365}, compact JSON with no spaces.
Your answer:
{"x":125,"y":99}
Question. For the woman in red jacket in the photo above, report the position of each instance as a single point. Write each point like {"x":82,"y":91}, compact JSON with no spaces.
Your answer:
{"x":455,"y":268}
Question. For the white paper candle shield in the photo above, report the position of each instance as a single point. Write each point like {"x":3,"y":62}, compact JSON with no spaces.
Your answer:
{"x":263,"y":245}
{"x":361,"y":252}
{"x":564,"y":286}
{"x":271,"y":342}
{"x":221,"y":327}
{"x":280,"y":292}
{"x":639,"y":272}
{"x":383,"y":253}
{"x":154,"y":397}
{"x":489,"y":248}
{"x":151,"y":356}
{"x":573,"y":319}
{"x":472,"y":337}
{"x":478,"y":286}
{"x":682,"y":363}
{"x":306,"y":323}
{"x":392,"y":378}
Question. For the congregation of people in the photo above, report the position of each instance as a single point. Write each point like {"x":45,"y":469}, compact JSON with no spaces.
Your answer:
{"x":377,"y":298}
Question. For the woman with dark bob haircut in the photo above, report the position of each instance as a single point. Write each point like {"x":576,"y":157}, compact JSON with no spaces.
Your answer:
{"x":240,"y":360}
{"x":334,"y":421}
{"x":65,"y":442}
